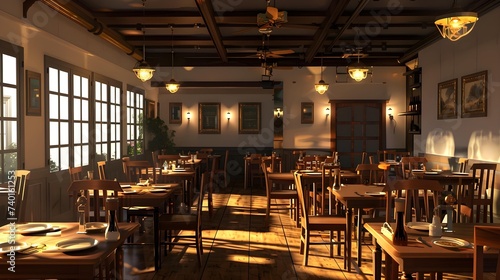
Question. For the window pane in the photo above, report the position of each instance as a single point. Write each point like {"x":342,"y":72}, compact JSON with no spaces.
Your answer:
{"x":64,"y":83}
{"x":85,"y":155}
{"x":85,"y":88}
{"x":64,"y":133}
{"x":64,"y":108}
{"x":85,"y":110}
{"x":54,"y":103}
{"x":98,"y":112}
{"x":98,"y":129}
{"x":10,"y":164}
{"x":54,"y":159}
{"x":9,"y":69}
{"x":104,"y":92}
{"x":54,"y":133}
{"x":9,"y":102}
{"x":77,"y":134}
{"x":10,"y":135}
{"x":78,"y":156}
{"x":53,"y":79}
{"x":97,"y":90}
{"x":77,"y":109}
{"x":64,"y":158}
{"x":85,"y":132}
{"x":76,"y":86}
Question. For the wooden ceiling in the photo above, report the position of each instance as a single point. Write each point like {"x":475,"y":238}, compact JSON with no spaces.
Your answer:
{"x":225,"y":32}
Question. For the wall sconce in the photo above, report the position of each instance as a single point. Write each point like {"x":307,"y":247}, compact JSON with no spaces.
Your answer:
{"x":188,"y":114}
{"x":327,"y":111}
{"x":278,"y":113}
{"x":228,"y":115}
{"x":389,"y":113}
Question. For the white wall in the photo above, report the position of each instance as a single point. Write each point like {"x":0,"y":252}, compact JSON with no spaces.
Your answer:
{"x":477,"y":138}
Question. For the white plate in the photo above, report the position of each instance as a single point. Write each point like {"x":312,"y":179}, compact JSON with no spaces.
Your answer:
{"x":313,"y":173}
{"x":129,"y":191}
{"x":76,"y":244}
{"x":125,"y":186}
{"x":417,"y":170}
{"x":450,"y":242}
{"x":437,"y":170}
{"x":179,"y":170}
{"x":157,"y":190}
{"x":161,"y":186}
{"x":94,"y":227}
{"x":424,"y":226}
{"x":379,"y":184}
{"x":375,"y":193}
{"x":17,"y":246}
{"x":460,"y":173}
{"x":431,"y":173}
{"x":32,"y":228}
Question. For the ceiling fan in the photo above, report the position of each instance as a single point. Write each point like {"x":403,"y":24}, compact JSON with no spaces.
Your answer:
{"x":264,"y":52}
{"x":270,"y":19}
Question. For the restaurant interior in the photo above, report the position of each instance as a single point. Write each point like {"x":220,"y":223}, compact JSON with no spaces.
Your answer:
{"x":235,"y":140}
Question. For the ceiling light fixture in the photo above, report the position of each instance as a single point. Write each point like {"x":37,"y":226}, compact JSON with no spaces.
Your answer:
{"x":172,"y":85}
{"x":142,"y":69}
{"x":456,"y":24}
{"x":358,"y":70}
{"x":321,"y":87}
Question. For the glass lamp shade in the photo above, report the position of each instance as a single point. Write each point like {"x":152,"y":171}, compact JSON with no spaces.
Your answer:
{"x":143,"y":71}
{"x":456,"y":25}
{"x":358,"y":72}
{"x":172,"y":86}
{"x":321,"y":87}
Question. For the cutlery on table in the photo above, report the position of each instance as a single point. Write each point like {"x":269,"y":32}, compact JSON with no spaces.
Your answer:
{"x":421,"y":240}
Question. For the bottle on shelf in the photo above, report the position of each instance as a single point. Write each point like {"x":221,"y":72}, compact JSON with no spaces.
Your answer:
{"x":410,"y":105}
{"x":400,"y":236}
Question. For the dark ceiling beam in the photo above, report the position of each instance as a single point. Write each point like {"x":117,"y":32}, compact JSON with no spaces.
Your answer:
{"x":207,"y":12}
{"x":206,"y":84}
{"x":480,"y":7}
{"x":359,"y":8}
{"x":334,"y":11}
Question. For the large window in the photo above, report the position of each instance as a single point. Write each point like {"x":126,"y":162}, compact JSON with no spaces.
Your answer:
{"x":10,"y":114}
{"x":107,"y":118}
{"x":69,"y":118}
{"x":135,"y":121}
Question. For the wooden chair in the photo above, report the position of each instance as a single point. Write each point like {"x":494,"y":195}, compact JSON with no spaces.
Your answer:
{"x":410,"y":163}
{"x":370,"y":173}
{"x":255,"y":169}
{"x":463,"y":165}
{"x":75,"y":173}
{"x":101,"y":169}
{"x":135,"y":170}
{"x":178,"y":223}
{"x":310,"y":225}
{"x":221,"y":174}
{"x":273,"y":196}
{"x":21,"y":184}
{"x":485,"y":236}
{"x":96,"y":192}
{"x":478,"y":203}
{"x":327,"y":179}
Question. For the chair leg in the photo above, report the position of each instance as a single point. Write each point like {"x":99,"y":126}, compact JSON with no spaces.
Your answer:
{"x":306,"y":248}
{"x":331,"y":243}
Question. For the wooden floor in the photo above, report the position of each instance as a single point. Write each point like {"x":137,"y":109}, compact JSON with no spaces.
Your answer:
{"x":238,"y":245}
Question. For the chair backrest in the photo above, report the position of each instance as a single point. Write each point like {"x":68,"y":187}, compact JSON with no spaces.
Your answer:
{"x":309,"y":162}
{"x":409,"y":163}
{"x":96,"y":193}
{"x":484,"y":175}
{"x":75,"y":173}
{"x":485,"y":236}
{"x":136,"y":169}
{"x":413,"y":190}
{"x":205,"y":151}
{"x":463,"y":164}
{"x":273,"y":163}
{"x":327,"y":180}
{"x":304,"y":216}
{"x":370,"y":173}
{"x":20,"y":185}
{"x":101,"y":169}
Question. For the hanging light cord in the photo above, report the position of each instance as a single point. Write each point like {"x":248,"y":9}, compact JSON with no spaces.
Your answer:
{"x":321,"y":69}
{"x":143,"y":31}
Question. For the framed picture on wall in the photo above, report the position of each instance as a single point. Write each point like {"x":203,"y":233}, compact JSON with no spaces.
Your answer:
{"x":209,"y":118}
{"x":474,"y":98}
{"x":33,"y":94}
{"x":175,"y":113}
{"x":447,"y":100}
{"x":249,"y":118}
{"x":307,"y":112}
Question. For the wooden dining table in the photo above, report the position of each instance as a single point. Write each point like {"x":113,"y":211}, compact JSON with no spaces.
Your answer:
{"x":52,"y":262}
{"x":357,"y":197}
{"x":419,"y":257}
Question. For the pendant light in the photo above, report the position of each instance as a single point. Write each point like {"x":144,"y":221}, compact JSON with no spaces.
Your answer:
{"x":142,"y":69}
{"x":456,"y":24}
{"x":358,"y":70}
{"x":321,"y":87}
{"x":172,"y":85}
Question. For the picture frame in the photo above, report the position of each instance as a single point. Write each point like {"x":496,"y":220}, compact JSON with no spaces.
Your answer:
{"x":209,"y":118}
{"x":33,"y":93}
{"x":307,"y":112}
{"x":474,"y":98}
{"x":175,"y":112}
{"x":249,"y":114}
{"x":447,"y":100}
{"x":150,"y":109}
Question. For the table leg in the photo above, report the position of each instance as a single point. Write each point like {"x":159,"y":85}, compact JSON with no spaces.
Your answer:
{"x":156,"y":239}
{"x":246,"y":174}
{"x":359,"y":226}
{"x":348,"y":239}
{"x":377,"y":261}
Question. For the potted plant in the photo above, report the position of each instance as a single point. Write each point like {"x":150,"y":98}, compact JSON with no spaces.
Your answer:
{"x":162,"y":138}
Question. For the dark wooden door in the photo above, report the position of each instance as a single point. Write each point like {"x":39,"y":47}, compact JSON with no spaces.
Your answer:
{"x":357,"y":127}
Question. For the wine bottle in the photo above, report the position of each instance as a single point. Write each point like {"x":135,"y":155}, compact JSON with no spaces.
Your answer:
{"x":112,"y":232}
{"x":400,"y":236}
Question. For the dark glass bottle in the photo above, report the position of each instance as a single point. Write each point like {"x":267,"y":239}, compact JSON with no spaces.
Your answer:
{"x":400,"y":236}
{"x":112,"y":232}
